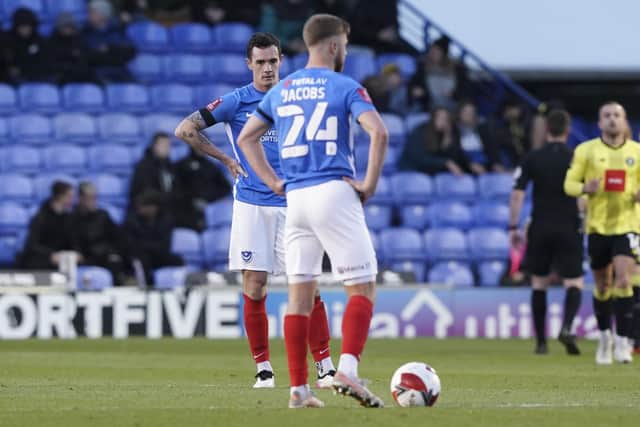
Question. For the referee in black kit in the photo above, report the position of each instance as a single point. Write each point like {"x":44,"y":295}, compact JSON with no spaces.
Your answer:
{"x":554,"y":237}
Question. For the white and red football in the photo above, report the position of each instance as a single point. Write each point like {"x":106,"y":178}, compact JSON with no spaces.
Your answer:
{"x":415,"y":384}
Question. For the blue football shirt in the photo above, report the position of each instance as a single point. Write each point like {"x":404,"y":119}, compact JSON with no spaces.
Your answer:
{"x":312,"y":111}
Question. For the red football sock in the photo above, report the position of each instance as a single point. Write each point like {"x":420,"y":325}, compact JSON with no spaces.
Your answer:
{"x":319,"y":331}
{"x":257,"y":327}
{"x":296,"y":336}
{"x":355,"y":325}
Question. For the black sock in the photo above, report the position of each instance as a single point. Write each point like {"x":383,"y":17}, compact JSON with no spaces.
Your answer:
{"x":623,"y":308}
{"x":603,"y":309}
{"x":539,"y":310}
{"x":636,"y":315}
{"x":572,"y":300}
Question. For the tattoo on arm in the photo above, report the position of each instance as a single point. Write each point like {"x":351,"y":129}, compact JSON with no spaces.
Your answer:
{"x":197,"y":139}
{"x":197,"y":119}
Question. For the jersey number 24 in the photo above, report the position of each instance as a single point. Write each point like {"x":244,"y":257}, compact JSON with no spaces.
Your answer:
{"x":312,"y":132}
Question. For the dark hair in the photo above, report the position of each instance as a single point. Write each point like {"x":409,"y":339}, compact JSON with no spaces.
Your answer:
{"x":59,"y":188}
{"x":84,"y":186}
{"x":558,"y":122}
{"x":322,"y":26}
{"x":262,"y":41}
{"x":156,"y":136}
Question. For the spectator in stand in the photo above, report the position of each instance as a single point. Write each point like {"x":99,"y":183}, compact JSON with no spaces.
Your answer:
{"x":96,"y":236}
{"x":434,"y":147}
{"x":510,"y":135}
{"x":198,"y":182}
{"x":397,"y":90}
{"x":285,"y":20}
{"x":475,"y":141}
{"x":24,"y":50}
{"x":341,"y":8}
{"x":216,"y":11}
{"x":133,"y":11}
{"x":374,"y":23}
{"x":50,"y":230}
{"x":69,"y":53}
{"x":154,"y":172}
{"x":109,"y":47}
{"x":439,"y":80}
{"x":149,"y":232}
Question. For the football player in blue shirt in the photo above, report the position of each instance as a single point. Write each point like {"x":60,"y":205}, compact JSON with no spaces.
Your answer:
{"x":312,"y":111}
{"x":257,"y":228}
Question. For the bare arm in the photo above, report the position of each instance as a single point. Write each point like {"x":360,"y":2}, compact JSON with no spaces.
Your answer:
{"x":515,"y":208}
{"x":189,"y":130}
{"x":249,"y":143}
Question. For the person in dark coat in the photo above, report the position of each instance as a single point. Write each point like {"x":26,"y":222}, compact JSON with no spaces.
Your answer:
{"x":96,"y":236}
{"x":375,"y":23}
{"x":69,"y":53}
{"x":50,"y":230}
{"x":476,"y":141}
{"x":25,"y":50}
{"x":198,"y":182}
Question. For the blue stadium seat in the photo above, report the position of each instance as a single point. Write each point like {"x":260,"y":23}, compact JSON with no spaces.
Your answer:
{"x":299,"y":61}
{"x":414,"y":216}
{"x":128,"y":98}
{"x":205,"y":94}
{"x":84,"y":97}
{"x":232,"y":36}
{"x":111,"y":189}
{"x":286,"y":67}
{"x":488,"y":243}
{"x":13,"y":218}
{"x":42,"y":183}
{"x":91,"y":278}
{"x":173,"y":98}
{"x":187,"y":68}
{"x":10,"y":6}
{"x":450,"y":187}
{"x":78,"y":128}
{"x":219,"y":213}
{"x":414,"y":120}
{"x":8,"y":250}
{"x":402,"y":244}
{"x":77,"y":7}
{"x":150,"y":37}
{"x":192,"y":38}
{"x":405,"y":62}
{"x":178,"y":151}
{"x":186,"y":242}
{"x":445,"y":244}
{"x":383,"y":194}
{"x":160,"y":122}
{"x":490,"y":272}
{"x":166,"y":278}
{"x":377,"y":246}
{"x":451,"y":273}
{"x":8,"y":99}
{"x":21,"y":159}
{"x":16,"y":188}
{"x":115,"y":213}
{"x":147,"y":68}
{"x":378,"y":217}
{"x":228,"y":68}
{"x":40,"y":98}
{"x":390,"y":165}
{"x":215,"y":243}
{"x":495,"y":186}
{"x":395,"y":126}
{"x":120,"y":128}
{"x":65,"y":158}
{"x":31,"y":129}
{"x":359,"y":66}
{"x":450,"y":214}
{"x":415,"y":267}
{"x":110,"y":158}
{"x":411,"y":188}
{"x":491,"y":214}
{"x":4,"y":130}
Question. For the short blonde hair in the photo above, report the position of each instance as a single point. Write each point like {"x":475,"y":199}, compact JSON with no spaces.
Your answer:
{"x":321,"y":26}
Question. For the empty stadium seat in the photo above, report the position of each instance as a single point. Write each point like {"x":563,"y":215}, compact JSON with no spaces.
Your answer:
{"x":160,"y":122}
{"x":31,"y":129}
{"x":395,"y":126}
{"x":110,"y":188}
{"x":445,"y":244}
{"x":228,"y":68}
{"x":377,"y":246}
{"x":8,"y":250}
{"x":451,"y":187}
{"x":173,"y":98}
{"x":92,"y":278}
{"x":4,"y":130}
{"x":405,"y":62}
{"x":450,"y":214}
{"x":383,"y":194}
{"x":110,"y":158}
{"x":300,"y":60}
{"x":15,"y":188}
{"x":205,"y":94}
{"x":232,"y":36}
{"x":359,"y":66}
{"x":391,"y":160}
{"x":40,"y":98}
{"x":378,"y":217}
{"x":192,"y":38}
{"x":488,"y":243}
{"x":149,"y":37}
{"x":402,"y":244}
{"x":78,"y":128}
{"x":178,"y":151}
{"x":121,"y":128}
{"x":21,"y":159}
{"x":186,"y":68}
{"x":451,"y":273}
{"x":186,"y":242}
{"x":490,"y":272}
{"x":65,"y":158}
{"x":414,"y":120}
{"x":84,"y":97}
{"x":171,"y":277}
{"x":13,"y":218}
{"x":77,"y":7}
{"x":495,"y":186}
{"x":411,"y":188}
{"x":215,"y":243}
{"x":147,"y":68}
{"x":219,"y":213}
{"x":416,"y":268}
{"x":128,"y":98}
{"x":414,"y":216}
{"x":42,"y":183}
{"x":8,"y":99}
{"x":10,"y":6}
{"x":491,"y":214}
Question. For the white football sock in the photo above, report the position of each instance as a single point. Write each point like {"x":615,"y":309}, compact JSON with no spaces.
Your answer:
{"x":302,"y":389}
{"x":324,"y":366}
{"x":264,"y":366}
{"x":348,"y":364}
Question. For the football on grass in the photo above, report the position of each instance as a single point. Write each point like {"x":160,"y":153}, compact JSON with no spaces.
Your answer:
{"x":415,"y":384}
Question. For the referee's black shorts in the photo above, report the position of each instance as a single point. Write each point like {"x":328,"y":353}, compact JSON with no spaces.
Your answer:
{"x":550,"y":245}
{"x":602,"y":248}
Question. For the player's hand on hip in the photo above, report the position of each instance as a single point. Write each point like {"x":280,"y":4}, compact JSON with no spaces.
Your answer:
{"x":591,"y":186}
{"x":364,"y":191}
{"x":278,"y":187}
{"x":234,"y":167}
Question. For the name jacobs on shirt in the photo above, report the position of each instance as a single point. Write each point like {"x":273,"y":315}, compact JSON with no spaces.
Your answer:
{"x":307,"y":89}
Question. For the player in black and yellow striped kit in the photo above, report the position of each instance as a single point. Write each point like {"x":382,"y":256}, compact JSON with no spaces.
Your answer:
{"x":607,"y":171}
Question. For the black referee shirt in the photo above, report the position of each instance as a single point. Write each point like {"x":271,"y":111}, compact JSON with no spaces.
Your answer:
{"x":546,"y":167}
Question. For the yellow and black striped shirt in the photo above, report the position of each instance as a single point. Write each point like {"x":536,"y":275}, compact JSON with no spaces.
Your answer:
{"x":612,"y":209}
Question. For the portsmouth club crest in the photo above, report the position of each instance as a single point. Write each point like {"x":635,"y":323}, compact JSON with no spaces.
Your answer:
{"x":247,"y":256}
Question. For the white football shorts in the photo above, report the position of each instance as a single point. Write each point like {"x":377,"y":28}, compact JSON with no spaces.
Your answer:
{"x":328,"y":217}
{"x":257,"y":238}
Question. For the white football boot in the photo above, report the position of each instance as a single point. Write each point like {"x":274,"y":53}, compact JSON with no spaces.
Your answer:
{"x":604,"y":353}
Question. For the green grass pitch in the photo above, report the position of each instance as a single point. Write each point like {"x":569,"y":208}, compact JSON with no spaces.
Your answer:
{"x":197,"y":382}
